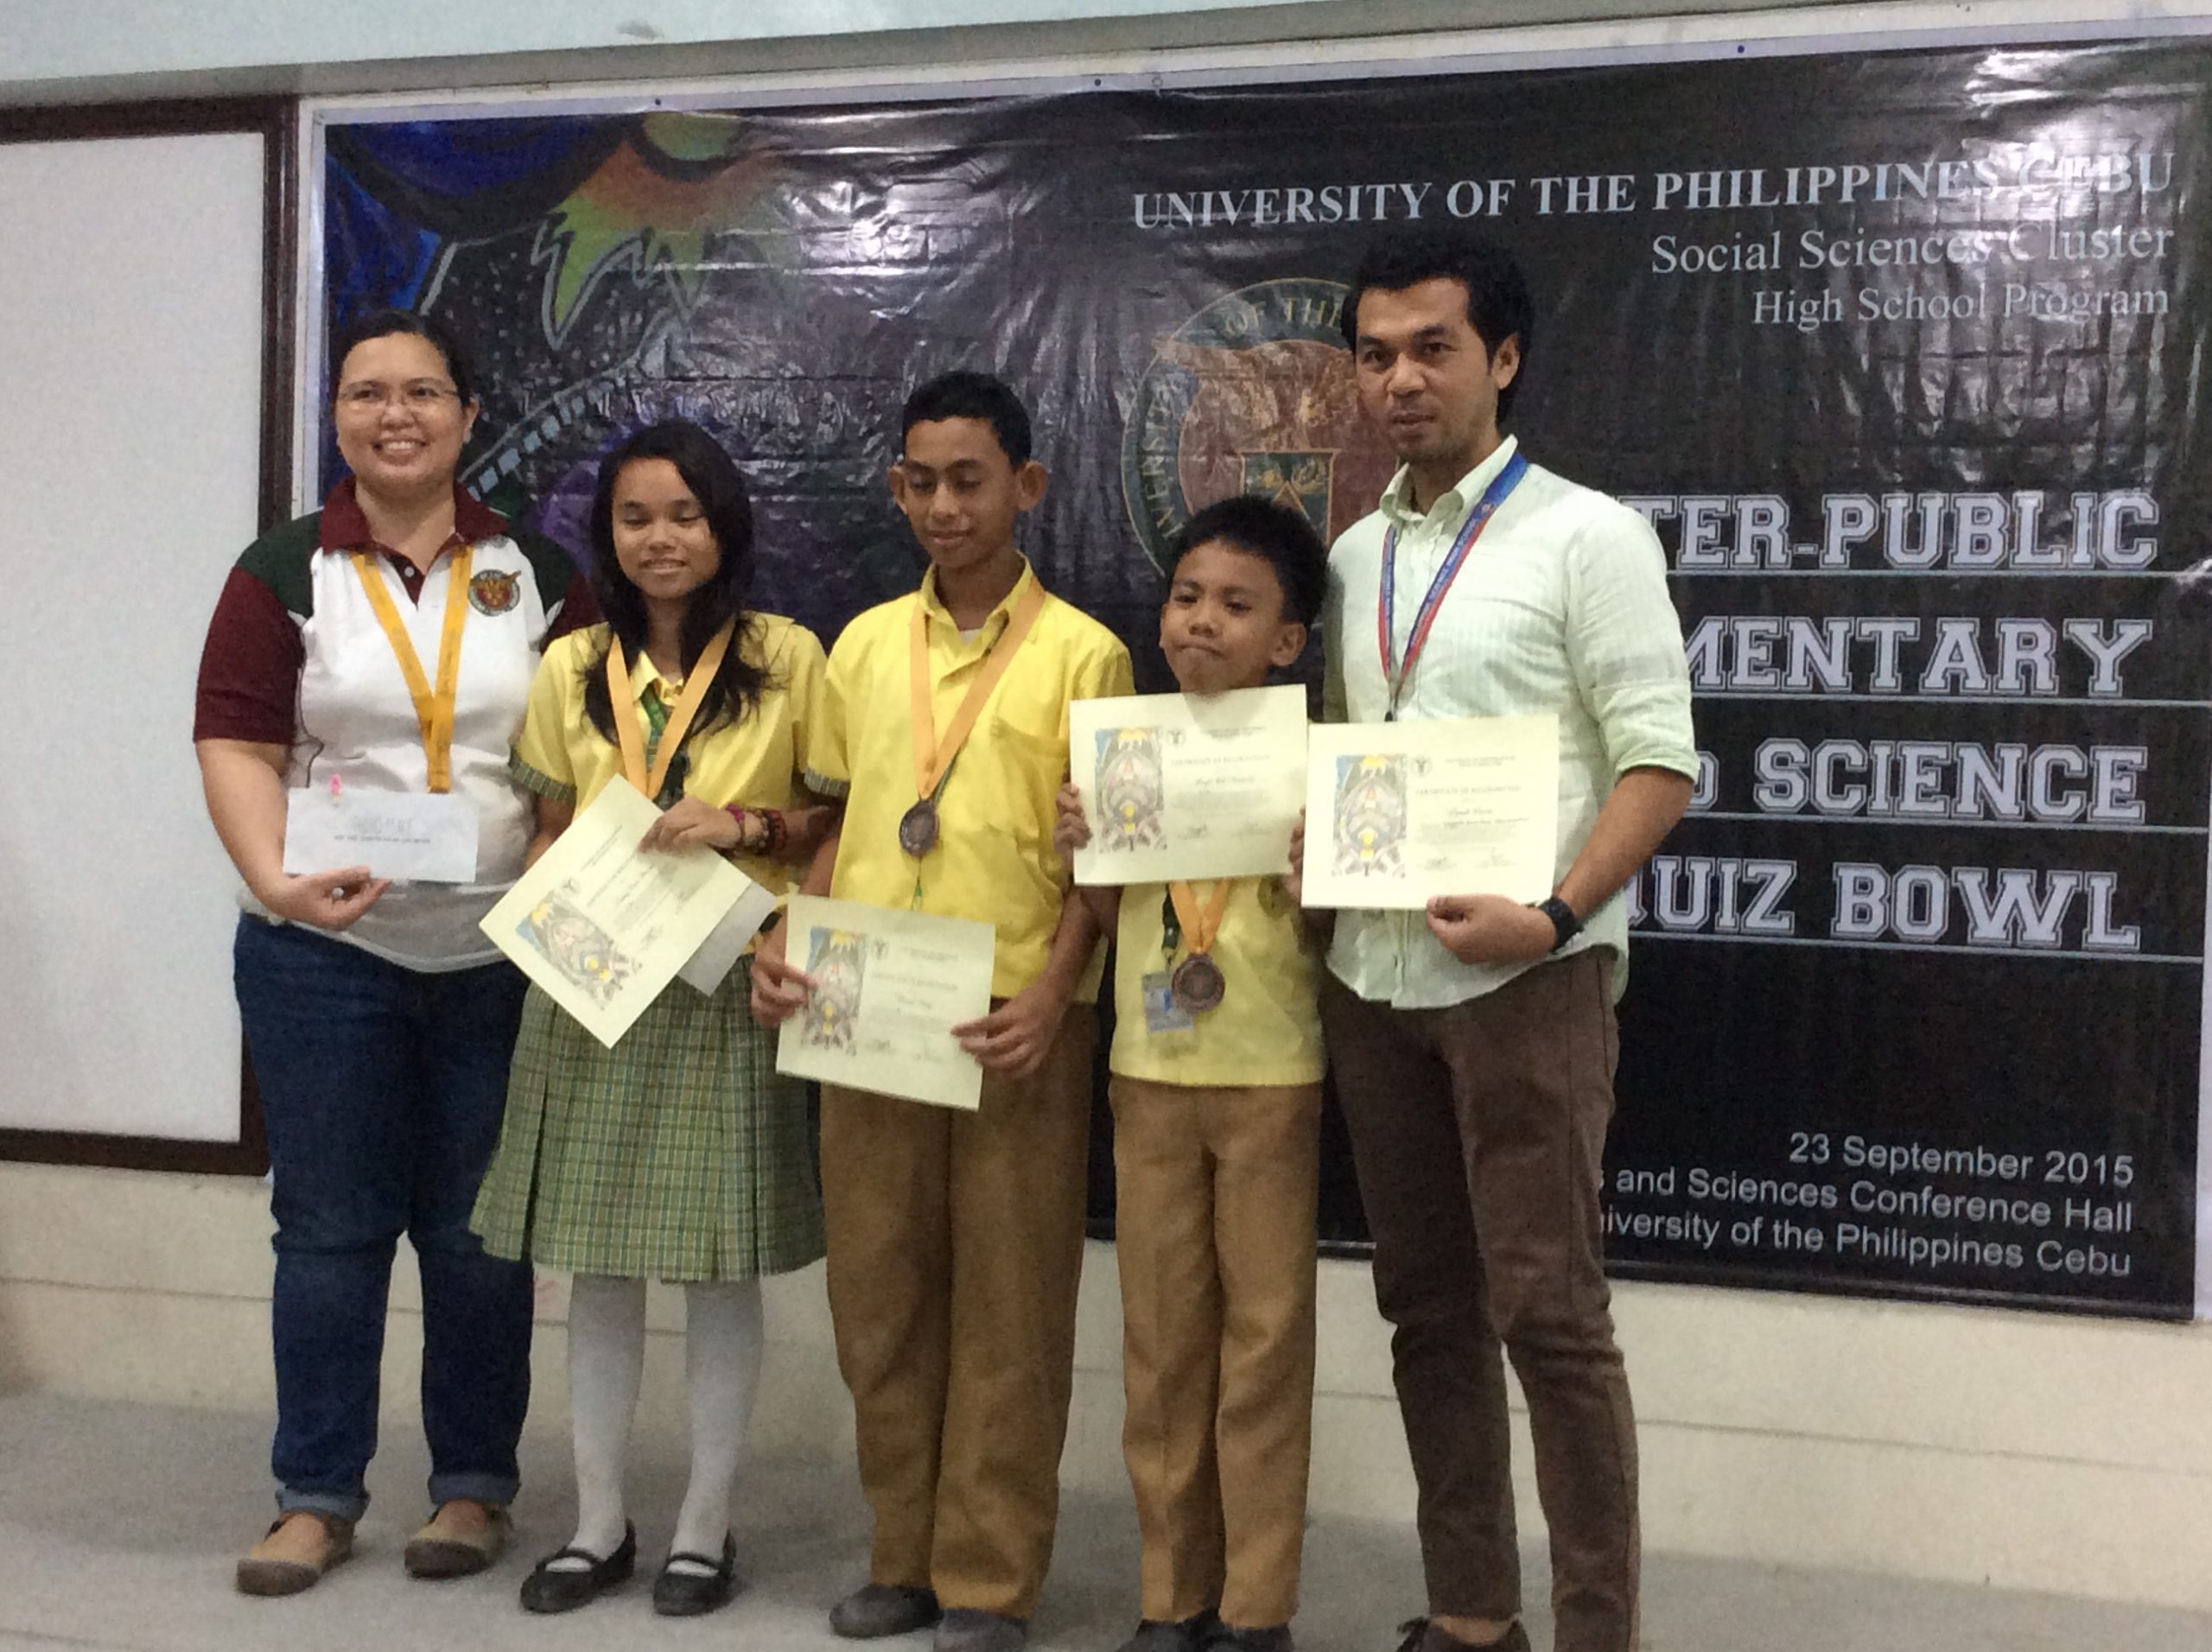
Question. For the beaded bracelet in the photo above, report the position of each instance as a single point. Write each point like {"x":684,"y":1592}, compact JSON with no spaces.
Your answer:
{"x":773,"y":832}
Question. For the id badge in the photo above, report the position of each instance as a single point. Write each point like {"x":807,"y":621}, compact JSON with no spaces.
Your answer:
{"x":1161,"y":1013}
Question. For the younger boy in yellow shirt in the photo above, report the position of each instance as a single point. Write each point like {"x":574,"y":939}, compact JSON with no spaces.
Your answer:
{"x":956,"y":1239}
{"x":1217,"y":1117}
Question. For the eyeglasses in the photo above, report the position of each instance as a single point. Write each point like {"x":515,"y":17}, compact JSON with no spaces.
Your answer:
{"x":421,"y":396}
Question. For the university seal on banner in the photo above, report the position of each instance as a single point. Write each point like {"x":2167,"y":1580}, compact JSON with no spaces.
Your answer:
{"x":491,"y":592}
{"x":1254,"y":394}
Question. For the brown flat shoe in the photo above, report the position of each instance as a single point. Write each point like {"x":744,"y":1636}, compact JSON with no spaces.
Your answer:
{"x":462,"y":1539}
{"x":298,"y":1548}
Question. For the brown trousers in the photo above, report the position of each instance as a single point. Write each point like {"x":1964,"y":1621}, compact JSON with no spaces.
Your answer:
{"x":956,"y":1243}
{"x":1214,"y":1225}
{"x":1479,"y":1133}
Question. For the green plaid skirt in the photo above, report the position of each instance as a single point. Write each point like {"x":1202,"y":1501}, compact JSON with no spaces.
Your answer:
{"x":679,"y":1155}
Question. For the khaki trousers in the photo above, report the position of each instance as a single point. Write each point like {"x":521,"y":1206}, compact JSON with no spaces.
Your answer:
{"x":956,"y":1243}
{"x":1214,"y":1224}
{"x":1479,"y":1133}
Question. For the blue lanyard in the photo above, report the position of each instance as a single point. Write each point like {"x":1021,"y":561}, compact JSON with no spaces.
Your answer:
{"x":1393,"y":673}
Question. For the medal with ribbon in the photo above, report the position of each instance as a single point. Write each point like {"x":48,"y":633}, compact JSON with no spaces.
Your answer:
{"x":933,"y":755}
{"x":1394,"y":672}
{"x":434,"y":707}
{"x":624,"y":704}
{"x":1196,"y":982}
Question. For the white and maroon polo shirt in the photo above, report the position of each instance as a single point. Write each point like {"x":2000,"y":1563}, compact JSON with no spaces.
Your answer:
{"x":296,"y":657}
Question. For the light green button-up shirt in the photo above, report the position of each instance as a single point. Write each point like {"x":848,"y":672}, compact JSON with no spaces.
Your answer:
{"x":1560,"y":607}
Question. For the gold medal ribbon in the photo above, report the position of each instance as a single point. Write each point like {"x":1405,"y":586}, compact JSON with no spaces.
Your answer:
{"x":625,"y":705}
{"x":933,"y":755}
{"x":1199,"y":927}
{"x":434,"y":710}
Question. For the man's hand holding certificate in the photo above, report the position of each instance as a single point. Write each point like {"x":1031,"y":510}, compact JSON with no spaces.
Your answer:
{"x":1185,"y":786}
{"x":604,"y":926}
{"x":888,"y":988}
{"x":1398,"y":813}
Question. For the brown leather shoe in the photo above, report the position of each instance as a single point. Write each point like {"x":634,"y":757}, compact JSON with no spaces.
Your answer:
{"x":462,"y":1539}
{"x":298,"y":1548}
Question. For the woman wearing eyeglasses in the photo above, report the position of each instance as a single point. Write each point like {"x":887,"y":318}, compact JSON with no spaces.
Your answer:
{"x":380,"y":651}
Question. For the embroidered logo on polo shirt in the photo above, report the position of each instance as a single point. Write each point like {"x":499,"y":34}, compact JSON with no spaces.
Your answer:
{"x":491,"y":592}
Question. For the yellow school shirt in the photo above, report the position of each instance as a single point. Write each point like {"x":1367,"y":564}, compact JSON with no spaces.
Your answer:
{"x":755,"y":761}
{"x":993,"y":859}
{"x":1267,"y":1030}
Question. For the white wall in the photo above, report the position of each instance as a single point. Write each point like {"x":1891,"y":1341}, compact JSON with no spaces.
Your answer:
{"x":56,"y":50}
{"x":130,"y":480}
{"x":62,"y":39}
{"x":2030,"y":1451}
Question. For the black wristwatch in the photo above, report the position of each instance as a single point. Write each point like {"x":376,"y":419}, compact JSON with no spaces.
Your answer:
{"x":1565,"y":924}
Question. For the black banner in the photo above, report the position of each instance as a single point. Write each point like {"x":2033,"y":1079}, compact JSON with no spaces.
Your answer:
{"x":1901,"y":355}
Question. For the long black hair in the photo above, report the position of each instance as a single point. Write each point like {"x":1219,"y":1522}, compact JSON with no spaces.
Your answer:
{"x":715,"y":482}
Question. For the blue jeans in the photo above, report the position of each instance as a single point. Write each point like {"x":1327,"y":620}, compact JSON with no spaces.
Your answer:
{"x":382,"y":1089}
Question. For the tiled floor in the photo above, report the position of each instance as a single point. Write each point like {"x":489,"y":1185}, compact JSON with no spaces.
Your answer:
{"x":118,"y":1526}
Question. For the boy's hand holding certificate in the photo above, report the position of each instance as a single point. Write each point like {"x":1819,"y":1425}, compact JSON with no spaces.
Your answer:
{"x":1185,"y":786}
{"x":1399,"y":812}
{"x":603,"y":926}
{"x":889,"y":986}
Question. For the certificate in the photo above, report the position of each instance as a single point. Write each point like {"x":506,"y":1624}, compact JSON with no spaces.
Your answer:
{"x":602,"y":927}
{"x":428,"y":836}
{"x":1185,"y":785}
{"x":1398,"y":812}
{"x":889,"y":986}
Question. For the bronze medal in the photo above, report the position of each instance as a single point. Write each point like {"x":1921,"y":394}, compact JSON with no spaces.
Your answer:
{"x":917,"y":829}
{"x":1198,"y":984}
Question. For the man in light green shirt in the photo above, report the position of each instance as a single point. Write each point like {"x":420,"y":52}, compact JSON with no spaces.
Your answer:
{"x":1474,"y":1044}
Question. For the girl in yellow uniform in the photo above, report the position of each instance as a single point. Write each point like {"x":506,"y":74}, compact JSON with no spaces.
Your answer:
{"x":679,"y":1155}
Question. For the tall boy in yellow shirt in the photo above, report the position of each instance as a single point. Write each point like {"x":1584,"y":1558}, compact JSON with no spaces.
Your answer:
{"x":1216,"y":1092}
{"x":956,"y":1239}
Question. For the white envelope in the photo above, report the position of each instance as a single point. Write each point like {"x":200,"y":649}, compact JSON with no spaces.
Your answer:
{"x":426,"y":836}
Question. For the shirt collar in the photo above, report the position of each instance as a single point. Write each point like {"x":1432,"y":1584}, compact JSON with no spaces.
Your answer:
{"x":1001,"y":615}
{"x":344,"y":525}
{"x":644,"y":675}
{"x":1454,"y":502}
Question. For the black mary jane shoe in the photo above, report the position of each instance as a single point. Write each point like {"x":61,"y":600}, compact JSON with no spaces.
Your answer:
{"x":551,"y":1587}
{"x":689,"y":1594}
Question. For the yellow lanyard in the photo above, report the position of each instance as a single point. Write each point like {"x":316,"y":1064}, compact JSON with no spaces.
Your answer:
{"x":932,"y":755}
{"x":625,"y":705}
{"x":433,"y":709}
{"x":1199,"y":927}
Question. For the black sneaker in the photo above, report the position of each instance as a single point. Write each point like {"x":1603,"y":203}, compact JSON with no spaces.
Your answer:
{"x":876,"y":1610}
{"x":1275,"y":1637}
{"x":1191,"y":1634}
{"x":965,"y":1629}
{"x":1422,"y":1635}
